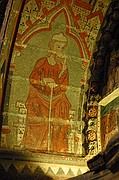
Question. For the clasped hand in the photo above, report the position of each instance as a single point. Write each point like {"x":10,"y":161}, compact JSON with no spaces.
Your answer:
{"x":49,"y":82}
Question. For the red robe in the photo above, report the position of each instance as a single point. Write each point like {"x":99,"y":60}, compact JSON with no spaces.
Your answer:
{"x":38,"y":104}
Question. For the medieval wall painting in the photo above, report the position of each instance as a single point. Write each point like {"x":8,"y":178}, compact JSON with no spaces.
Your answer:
{"x":109,"y":121}
{"x":44,"y":104}
{"x":47,"y":72}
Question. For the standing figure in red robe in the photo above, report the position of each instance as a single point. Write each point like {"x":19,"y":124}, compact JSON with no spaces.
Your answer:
{"x":47,"y":122}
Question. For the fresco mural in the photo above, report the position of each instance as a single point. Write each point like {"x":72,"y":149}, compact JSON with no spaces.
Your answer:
{"x":109,"y":121}
{"x":46,"y":126}
{"x":43,"y":108}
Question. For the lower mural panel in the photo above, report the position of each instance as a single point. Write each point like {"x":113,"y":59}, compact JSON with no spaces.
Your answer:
{"x":55,"y":136}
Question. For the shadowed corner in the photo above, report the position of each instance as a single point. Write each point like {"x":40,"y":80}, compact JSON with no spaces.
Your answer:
{"x":105,"y":165}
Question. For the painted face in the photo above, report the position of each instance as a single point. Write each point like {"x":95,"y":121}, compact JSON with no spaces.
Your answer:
{"x":59,"y":47}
